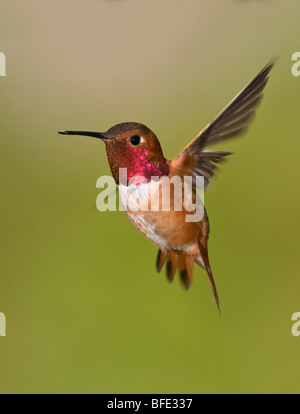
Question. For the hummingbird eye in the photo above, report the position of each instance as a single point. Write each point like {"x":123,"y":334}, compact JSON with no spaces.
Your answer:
{"x":135,"y":140}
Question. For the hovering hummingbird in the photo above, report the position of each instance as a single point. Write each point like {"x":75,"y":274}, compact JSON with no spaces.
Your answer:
{"x":135,"y":147}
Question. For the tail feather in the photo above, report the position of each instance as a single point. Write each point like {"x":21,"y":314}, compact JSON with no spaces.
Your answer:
{"x":185,"y":265}
{"x":186,"y":270}
{"x":160,"y":261}
{"x":203,"y":250}
{"x":173,"y":262}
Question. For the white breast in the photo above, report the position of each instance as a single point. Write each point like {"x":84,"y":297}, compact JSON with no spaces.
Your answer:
{"x":136,"y":197}
{"x":135,"y":201}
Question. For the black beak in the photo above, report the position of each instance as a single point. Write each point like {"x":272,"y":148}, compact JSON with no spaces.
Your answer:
{"x":86,"y":133}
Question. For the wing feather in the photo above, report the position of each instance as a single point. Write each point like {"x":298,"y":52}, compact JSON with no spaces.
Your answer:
{"x":232,"y":121}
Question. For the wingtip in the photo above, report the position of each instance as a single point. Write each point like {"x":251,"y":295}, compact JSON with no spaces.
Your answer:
{"x":216,"y":296}
{"x":269,"y":66}
{"x":219,"y":307}
{"x":274,"y":60}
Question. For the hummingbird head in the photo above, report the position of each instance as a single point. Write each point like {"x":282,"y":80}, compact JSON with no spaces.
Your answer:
{"x":133,"y":146}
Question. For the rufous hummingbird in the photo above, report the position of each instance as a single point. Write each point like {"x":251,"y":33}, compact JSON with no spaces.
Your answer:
{"x":135,"y":147}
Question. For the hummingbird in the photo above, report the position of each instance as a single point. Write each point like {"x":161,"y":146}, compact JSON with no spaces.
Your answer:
{"x":134,"y":147}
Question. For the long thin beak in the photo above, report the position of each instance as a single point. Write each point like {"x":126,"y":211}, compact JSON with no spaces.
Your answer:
{"x":85,"y":133}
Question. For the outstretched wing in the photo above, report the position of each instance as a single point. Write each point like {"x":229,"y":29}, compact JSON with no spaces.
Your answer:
{"x":232,"y":121}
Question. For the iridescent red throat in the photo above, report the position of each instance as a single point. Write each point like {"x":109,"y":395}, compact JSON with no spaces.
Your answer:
{"x":136,"y":161}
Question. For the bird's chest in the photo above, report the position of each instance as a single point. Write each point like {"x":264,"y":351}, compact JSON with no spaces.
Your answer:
{"x":151,"y":209}
{"x":139,"y":202}
{"x":138,"y":197}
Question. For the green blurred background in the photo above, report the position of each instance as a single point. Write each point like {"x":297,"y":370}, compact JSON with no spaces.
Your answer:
{"x":86,"y":311}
